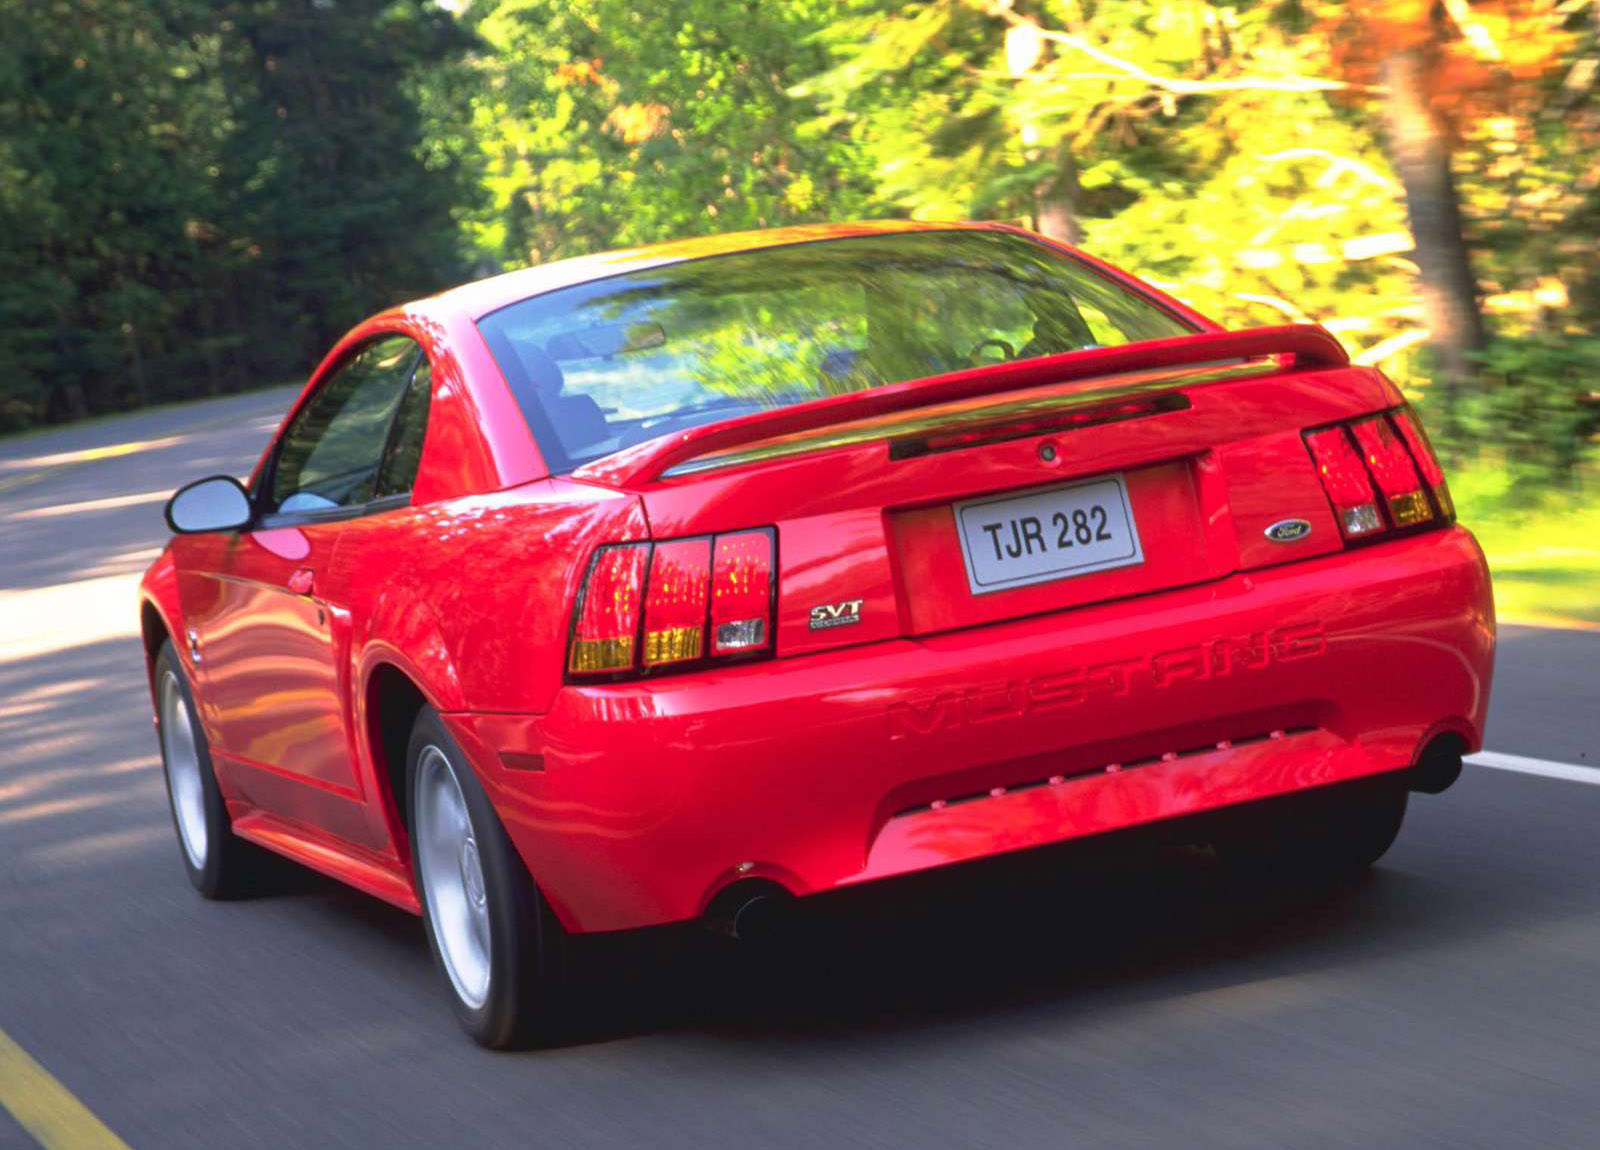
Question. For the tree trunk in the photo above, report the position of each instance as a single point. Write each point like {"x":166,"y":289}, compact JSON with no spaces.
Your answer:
{"x":1055,"y":203}
{"x":1420,"y":152}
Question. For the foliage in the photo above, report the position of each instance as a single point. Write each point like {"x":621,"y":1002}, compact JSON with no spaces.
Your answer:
{"x":195,"y":197}
{"x":199,"y":197}
{"x":322,"y":173}
{"x":1239,"y":158}
{"x":1543,"y":545}
{"x":605,"y":123}
{"x":1536,"y":409}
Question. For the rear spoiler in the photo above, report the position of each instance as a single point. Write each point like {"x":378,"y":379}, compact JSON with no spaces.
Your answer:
{"x":1301,"y":346}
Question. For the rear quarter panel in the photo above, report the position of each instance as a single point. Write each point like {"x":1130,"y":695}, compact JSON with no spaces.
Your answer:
{"x":475,"y":595}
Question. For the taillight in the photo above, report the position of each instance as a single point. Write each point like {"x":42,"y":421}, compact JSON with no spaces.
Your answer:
{"x":1378,"y":472}
{"x":1422,"y":451}
{"x":1391,"y":467}
{"x":1345,"y":481}
{"x":645,"y":606}
{"x":741,"y":593}
{"x":607,"y":625}
{"x":675,"y":605}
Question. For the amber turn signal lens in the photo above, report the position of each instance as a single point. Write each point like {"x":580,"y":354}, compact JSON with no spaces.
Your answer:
{"x":675,"y":604}
{"x":608,"y":616}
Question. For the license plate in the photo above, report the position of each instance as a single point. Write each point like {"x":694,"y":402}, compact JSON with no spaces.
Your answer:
{"x":1049,"y":533}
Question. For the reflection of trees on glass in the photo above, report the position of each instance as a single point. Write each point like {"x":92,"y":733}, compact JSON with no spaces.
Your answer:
{"x":782,"y":325}
{"x":334,"y":446}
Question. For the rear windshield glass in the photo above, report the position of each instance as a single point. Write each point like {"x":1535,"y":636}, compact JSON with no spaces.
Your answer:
{"x":613,"y":362}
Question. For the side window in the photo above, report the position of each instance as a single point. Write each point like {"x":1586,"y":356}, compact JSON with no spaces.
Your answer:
{"x":399,"y":469}
{"x":331,"y":453}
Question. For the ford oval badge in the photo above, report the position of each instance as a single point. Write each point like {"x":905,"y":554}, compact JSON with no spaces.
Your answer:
{"x":1288,"y":530}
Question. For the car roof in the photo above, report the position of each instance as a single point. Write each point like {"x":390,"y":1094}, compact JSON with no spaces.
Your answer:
{"x":481,"y":297}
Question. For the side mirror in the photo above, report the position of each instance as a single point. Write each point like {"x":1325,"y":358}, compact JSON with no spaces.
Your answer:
{"x":219,"y":503}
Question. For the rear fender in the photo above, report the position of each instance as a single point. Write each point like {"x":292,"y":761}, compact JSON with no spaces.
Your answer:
{"x":502,"y":573}
{"x":404,"y":634}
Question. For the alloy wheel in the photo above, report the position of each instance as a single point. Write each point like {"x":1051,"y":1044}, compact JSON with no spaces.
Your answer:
{"x":181,"y":758}
{"x":452,"y":877}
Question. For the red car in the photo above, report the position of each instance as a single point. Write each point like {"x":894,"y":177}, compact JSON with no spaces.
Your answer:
{"x":677,"y":582}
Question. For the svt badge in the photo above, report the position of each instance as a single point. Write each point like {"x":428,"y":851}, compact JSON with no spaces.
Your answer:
{"x":826,"y":615}
{"x":1288,"y":530}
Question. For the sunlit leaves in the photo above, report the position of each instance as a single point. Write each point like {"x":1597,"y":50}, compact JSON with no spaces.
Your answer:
{"x":1480,"y":56}
{"x":1024,"y":46}
{"x":609,"y":123}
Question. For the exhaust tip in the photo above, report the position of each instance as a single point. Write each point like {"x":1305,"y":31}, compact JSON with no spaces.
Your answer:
{"x":750,"y":911}
{"x":1439,"y":765}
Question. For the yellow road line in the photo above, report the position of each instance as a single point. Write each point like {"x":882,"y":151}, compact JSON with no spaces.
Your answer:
{"x":89,"y":454}
{"x":45,"y":1108}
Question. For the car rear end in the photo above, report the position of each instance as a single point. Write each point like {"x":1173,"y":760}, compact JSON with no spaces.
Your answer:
{"x":926,"y":622}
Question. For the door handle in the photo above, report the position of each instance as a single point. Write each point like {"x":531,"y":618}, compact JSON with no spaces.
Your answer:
{"x":303,"y":581}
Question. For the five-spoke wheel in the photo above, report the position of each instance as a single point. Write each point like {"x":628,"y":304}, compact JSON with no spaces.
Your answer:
{"x":493,"y":935}
{"x":450,"y":873}
{"x":219,"y":864}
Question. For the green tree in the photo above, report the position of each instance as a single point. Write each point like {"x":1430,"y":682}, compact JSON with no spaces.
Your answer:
{"x":332,"y":207}
{"x":196,"y":197}
{"x":1190,"y":142}
{"x":103,"y":160}
{"x":607,"y":123}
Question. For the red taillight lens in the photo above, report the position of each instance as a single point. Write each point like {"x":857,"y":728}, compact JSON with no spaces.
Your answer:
{"x":1422,"y":451}
{"x":741,"y":593}
{"x":675,"y":604}
{"x":1378,"y":472}
{"x":1346,"y":482}
{"x":721,"y":583}
{"x":1391,"y":467}
{"x":608,"y":613}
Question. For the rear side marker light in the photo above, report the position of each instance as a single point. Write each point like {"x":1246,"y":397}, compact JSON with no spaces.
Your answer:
{"x":1396,"y":476}
{"x":741,"y":592}
{"x":675,"y":604}
{"x":1346,"y":482}
{"x":607,"y":625}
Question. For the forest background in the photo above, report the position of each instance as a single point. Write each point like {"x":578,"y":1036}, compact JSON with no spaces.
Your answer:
{"x":198,"y":197}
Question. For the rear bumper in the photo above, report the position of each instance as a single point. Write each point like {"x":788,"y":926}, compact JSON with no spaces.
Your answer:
{"x":836,"y":768}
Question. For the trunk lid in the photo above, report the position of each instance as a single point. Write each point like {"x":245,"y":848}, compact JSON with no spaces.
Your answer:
{"x":905,"y":510}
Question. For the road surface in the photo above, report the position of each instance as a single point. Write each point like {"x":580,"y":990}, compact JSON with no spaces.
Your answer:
{"x":1450,"y":999}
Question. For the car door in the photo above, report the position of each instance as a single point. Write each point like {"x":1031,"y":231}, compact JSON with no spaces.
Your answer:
{"x":273,"y":650}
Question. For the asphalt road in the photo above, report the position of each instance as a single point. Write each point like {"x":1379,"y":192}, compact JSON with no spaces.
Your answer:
{"x":1448,"y":999}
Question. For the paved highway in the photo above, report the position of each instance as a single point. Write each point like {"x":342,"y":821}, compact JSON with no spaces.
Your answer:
{"x":1450,"y":999}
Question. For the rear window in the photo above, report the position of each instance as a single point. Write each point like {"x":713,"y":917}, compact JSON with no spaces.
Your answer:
{"x":610,"y":363}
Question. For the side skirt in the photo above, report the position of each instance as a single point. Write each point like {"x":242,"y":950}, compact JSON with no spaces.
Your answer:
{"x":376,"y":875}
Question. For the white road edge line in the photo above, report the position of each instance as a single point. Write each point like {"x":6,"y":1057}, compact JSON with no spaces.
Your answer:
{"x":1526,"y":766}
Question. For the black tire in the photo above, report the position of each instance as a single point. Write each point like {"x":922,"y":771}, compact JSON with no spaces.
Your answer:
{"x":527,"y":1000}
{"x":1323,"y":834}
{"x":227,"y":866}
